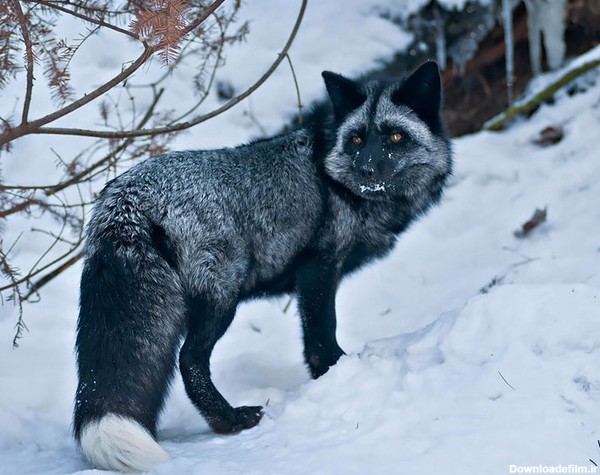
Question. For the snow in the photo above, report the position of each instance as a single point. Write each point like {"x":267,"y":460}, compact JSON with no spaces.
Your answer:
{"x":544,"y":80}
{"x":469,"y":350}
{"x":372,"y":188}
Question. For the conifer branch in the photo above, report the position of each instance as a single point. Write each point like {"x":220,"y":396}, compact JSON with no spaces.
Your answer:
{"x":95,"y":21}
{"x":196,"y":120}
{"x":77,"y":178}
{"x":29,"y":57}
{"x":35,"y":126}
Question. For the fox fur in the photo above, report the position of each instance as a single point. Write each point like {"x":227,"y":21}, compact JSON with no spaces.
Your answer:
{"x":175,"y":243}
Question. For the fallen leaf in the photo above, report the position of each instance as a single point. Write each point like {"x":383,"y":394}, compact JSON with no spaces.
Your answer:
{"x":539,"y":216}
{"x":549,"y":136}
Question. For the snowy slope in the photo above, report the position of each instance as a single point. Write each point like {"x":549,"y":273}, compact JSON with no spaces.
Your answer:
{"x":440,"y":378}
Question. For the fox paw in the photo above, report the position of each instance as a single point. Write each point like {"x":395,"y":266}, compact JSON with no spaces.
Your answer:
{"x":322,"y":358}
{"x":240,"y":418}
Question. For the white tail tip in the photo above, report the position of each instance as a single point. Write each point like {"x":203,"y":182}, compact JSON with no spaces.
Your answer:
{"x":120,"y":443}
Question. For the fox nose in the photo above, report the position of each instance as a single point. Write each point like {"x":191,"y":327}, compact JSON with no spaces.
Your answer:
{"x":367,"y":171}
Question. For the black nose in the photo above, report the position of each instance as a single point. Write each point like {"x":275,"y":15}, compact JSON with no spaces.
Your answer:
{"x":367,"y":171}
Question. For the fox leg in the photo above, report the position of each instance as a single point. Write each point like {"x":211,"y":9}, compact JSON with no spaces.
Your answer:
{"x":316,"y":285}
{"x":207,"y":323}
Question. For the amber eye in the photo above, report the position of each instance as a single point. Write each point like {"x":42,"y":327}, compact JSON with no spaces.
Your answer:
{"x":396,"y":137}
{"x":356,"y":140}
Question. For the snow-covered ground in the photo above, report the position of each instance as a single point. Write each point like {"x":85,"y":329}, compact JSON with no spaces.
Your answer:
{"x":469,"y":350}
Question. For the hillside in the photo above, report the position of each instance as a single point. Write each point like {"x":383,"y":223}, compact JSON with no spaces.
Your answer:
{"x":469,"y":349}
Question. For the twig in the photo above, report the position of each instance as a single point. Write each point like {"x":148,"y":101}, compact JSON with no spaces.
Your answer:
{"x":210,"y":80}
{"x":89,"y":19}
{"x":54,"y":235}
{"x":79,"y":176}
{"x":22,"y":280}
{"x":16,"y":295}
{"x":287,"y":55}
{"x":37,"y":285}
{"x":73,"y":51}
{"x":184,"y":125}
{"x":250,"y":114}
{"x":288,"y":304}
{"x":507,"y":383}
{"x":29,"y":58}
{"x":54,"y":243}
{"x":37,"y":125}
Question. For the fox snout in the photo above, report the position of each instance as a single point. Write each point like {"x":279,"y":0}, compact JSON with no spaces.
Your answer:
{"x":373,"y":164}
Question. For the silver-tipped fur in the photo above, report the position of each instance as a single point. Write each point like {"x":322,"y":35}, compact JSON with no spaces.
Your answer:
{"x":177,"y":242}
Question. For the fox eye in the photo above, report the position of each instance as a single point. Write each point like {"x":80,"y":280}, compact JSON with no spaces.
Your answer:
{"x":356,"y":140}
{"x":396,"y":137}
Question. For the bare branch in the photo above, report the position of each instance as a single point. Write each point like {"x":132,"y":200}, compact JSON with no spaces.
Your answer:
{"x":297,"y":88}
{"x":95,"y":21}
{"x":34,"y":127}
{"x":38,"y":284}
{"x":195,"y":121}
{"x":53,"y":189}
{"x":208,"y":85}
{"x":24,"y":25}
{"x":529,"y":105}
{"x":27,"y":278}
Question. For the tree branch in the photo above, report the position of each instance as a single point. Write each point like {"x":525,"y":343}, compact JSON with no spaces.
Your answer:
{"x":29,"y":57}
{"x":95,"y":21}
{"x":196,"y":120}
{"x":16,"y":283}
{"x":53,"y":189}
{"x":38,"y":284}
{"x":35,"y":126}
{"x":297,"y":89}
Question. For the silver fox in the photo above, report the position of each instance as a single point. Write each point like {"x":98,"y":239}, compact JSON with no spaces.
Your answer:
{"x":176,"y":242}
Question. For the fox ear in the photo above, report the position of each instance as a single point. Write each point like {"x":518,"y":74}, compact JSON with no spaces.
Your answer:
{"x":345,"y":94}
{"x":422,"y":92}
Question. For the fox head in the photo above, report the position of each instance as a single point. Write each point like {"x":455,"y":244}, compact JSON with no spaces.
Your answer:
{"x":390,"y":140}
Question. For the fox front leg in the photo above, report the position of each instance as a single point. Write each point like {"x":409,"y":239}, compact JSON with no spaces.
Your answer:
{"x":316,"y":285}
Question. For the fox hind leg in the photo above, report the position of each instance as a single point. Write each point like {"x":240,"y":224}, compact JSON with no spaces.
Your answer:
{"x":207,"y":322}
